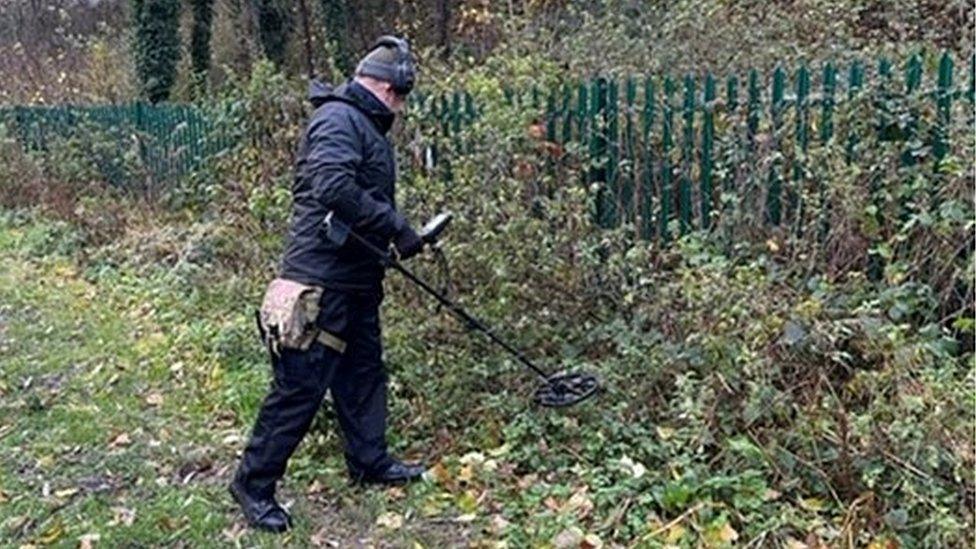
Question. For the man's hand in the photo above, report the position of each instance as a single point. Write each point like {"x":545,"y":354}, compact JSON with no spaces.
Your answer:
{"x":407,"y":242}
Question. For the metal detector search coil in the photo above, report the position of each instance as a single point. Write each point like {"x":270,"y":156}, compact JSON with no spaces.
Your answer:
{"x":556,"y":390}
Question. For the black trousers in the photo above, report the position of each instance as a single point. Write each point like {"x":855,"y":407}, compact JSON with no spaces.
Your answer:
{"x":357,"y":379}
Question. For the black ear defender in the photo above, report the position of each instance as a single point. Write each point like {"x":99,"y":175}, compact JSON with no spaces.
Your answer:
{"x":401,"y":73}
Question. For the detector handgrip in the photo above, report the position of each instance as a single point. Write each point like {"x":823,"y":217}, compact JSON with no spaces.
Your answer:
{"x":433,"y":229}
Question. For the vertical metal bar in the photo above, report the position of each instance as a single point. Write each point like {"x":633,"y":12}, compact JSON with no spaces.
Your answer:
{"x":598,"y":147}
{"x":666,"y":143}
{"x":855,"y":81}
{"x":647,"y":181}
{"x":829,"y":85}
{"x":448,"y":152}
{"x":456,"y":113}
{"x":735,"y":143}
{"x":551,"y":116}
{"x":612,"y":117}
{"x":754,"y":108}
{"x":708,"y":136}
{"x":627,"y":184}
{"x":943,"y":107}
{"x":913,"y":80}
{"x":567,"y":113}
{"x":972,"y":78}
{"x":582,"y":108}
{"x":801,"y":148}
{"x":774,"y":189}
{"x":687,"y":155}
{"x":732,"y":155}
{"x":875,"y":261}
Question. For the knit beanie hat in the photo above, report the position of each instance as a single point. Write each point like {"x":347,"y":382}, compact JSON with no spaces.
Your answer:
{"x":389,"y":63}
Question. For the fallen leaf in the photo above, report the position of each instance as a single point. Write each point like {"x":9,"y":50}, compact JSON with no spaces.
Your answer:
{"x":120,"y":440}
{"x":51,"y":534}
{"x":321,"y":538}
{"x":527,"y":481}
{"x":552,"y":503}
{"x":466,"y":474}
{"x":123,"y":515}
{"x":87,"y":541}
{"x":468,"y":502}
{"x":66,"y":493}
{"x":591,"y":541}
{"x":636,"y":469}
{"x":727,"y":534}
{"x":570,"y":538}
{"x":472,"y":458}
{"x":675,"y":533}
{"x":812,"y":504}
{"x":793,"y":543}
{"x":499,"y":524}
{"x":665,"y":432}
{"x":579,"y":503}
{"x":390,"y":520}
{"x":234,"y":532}
{"x":439,"y":473}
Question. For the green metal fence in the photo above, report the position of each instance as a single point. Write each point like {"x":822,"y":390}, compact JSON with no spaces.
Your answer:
{"x":673,"y":154}
{"x":164,"y":142}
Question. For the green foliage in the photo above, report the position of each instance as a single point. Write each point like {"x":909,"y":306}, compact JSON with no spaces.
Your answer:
{"x":200,"y":34}
{"x":274,"y":20}
{"x":157,"y":45}
{"x":335,"y":20}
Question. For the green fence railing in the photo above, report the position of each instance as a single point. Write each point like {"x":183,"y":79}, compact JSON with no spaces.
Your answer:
{"x":674,"y":154}
{"x":166,"y":141}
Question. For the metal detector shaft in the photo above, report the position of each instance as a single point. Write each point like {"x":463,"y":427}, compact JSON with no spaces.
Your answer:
{"x":472,"y":322}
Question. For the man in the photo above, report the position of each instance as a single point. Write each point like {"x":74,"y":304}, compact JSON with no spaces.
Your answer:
{"x":345,"y":164}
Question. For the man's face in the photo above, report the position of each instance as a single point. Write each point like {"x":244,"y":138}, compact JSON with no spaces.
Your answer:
{"x":395,"y":102}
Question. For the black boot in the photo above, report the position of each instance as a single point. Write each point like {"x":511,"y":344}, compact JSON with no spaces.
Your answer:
{"x":261,"y":513}
{"x":395,"y":474}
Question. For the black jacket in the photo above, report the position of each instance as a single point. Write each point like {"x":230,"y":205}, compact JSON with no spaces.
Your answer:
{"x":345,"y":163}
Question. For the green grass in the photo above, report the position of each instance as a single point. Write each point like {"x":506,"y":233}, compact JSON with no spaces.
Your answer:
{"x":117,"y":423}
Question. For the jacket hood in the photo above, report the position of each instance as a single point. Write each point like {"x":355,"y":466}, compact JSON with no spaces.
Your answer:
{"x":318,"y":91}
{"x":356,"y":95}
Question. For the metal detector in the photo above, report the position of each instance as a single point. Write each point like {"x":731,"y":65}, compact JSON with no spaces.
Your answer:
{"x":555,"y":390}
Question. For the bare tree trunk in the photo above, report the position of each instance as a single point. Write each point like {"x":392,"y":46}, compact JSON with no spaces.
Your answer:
{"x":303,"y":14}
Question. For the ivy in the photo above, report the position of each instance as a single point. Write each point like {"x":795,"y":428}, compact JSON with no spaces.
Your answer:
{"x":274,"y":28}
{"x":200,"y":36}
{"x":157,"y":46}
